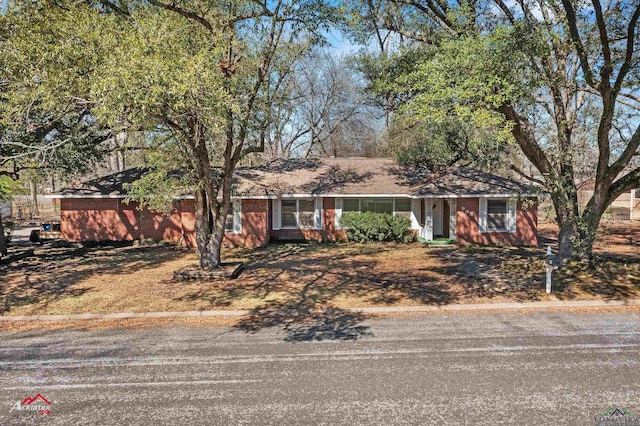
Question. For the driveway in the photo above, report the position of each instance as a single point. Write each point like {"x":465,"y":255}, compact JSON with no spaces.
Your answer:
{"x":531,"y":369}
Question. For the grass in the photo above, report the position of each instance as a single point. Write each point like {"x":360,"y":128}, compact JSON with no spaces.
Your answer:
{"x":300,"y":277}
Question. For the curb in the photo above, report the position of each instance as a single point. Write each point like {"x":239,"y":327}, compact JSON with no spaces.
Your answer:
{"x":381,"y":310}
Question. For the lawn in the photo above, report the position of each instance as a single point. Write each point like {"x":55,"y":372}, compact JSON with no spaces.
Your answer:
{"x":301,"y":276}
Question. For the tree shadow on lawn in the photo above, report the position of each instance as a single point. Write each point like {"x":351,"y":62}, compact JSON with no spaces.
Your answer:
{"x":50,"y":274}
{"x":301,"y":284}
{"x":613,"y":277}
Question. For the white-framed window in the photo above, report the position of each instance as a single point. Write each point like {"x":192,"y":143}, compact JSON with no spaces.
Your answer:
{"x":497,"y":215}
{"x":402,"y":207}
{"x":233,"y":221}
{"x":228,"y":224}
{"x":391,"y":206}
{"x":298,"y":213}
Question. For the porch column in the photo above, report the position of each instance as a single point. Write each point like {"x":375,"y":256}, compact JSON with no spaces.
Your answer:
{"x":427,"y":231}
{"x":452,"y":217}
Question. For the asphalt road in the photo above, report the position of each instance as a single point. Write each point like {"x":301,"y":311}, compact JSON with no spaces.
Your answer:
{"x":537,"y":368}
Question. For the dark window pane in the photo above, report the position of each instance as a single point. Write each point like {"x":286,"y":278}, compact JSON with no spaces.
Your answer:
{"x":403,"y":204}
{"x":496,"y":206}
{"x":496,"y":215}
{"x":403,"y":207}
{"x":384,"y":205}
{"x":368,"y":205}
{"x":351,"y":205}
{"x":228,"y":224}
{"x":289,"y":214}
{"x":306,"y":213}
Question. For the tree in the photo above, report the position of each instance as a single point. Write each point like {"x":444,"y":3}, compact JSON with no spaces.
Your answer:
{"x":7,"y":189}
{"x":41,"y":130}
{"x":195,"y":76}
{"x":320,"y":111}
{"x":449,"y":142}
{"x":532,"y":68}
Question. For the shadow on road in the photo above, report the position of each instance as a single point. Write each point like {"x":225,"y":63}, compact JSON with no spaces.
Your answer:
{"x":303,"y":324}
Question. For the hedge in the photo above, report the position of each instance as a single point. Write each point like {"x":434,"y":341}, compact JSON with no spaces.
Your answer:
{"x":369,"y":227}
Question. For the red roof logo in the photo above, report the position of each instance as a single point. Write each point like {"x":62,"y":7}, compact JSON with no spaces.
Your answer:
{"x":29,"y":401}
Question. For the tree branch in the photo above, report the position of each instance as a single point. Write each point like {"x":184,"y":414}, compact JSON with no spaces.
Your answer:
{"x":526,"y":176}
{"x":575,"y":36}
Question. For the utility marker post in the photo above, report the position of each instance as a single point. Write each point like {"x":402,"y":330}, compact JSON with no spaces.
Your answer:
{"x":549,"y":267}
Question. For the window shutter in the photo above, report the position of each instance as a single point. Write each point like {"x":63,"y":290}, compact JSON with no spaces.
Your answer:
{"x":338,"y":211}
{"x":317,"y":213}
{"x":512,"y":214}
{"x":237,"y":216}
{"x":453,"y":204}
{"x":277,"y":217}
{"x":482,"y":215}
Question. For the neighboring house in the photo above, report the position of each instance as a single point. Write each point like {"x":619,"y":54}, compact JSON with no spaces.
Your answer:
{"x":305,"y":199}
{"x":625,"y":207}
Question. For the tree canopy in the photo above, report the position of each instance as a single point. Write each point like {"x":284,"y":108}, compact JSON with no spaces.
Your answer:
{"x":546,"y":74}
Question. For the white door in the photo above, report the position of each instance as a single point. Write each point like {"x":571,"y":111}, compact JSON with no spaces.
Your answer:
{"x":426,"y":230}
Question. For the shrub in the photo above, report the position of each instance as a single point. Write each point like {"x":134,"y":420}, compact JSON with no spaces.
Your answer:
{"x":370,"y":227}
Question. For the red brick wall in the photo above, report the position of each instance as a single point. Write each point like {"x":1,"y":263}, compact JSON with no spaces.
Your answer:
{"x":101,"y":219}
{"x":467,"y":232}
{"x":254,"y":226}
{"x":97,"y":220}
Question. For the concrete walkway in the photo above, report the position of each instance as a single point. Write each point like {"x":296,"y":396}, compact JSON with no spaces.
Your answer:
{"x":381,"y":310}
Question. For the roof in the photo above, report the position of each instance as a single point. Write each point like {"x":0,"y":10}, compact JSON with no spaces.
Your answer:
{"x":335,"y":176}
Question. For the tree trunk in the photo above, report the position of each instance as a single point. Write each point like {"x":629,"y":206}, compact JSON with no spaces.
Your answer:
{"x":35,"y":209}
{"x":3,"y":239}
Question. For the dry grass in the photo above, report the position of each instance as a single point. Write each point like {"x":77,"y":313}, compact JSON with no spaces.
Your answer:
{"x":300,"y":277}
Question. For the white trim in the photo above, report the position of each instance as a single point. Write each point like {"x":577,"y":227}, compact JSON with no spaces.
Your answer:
{"x":427,"y":230}
{"x":482,"y":216}
{"x":317,"y":212}
{"x":453,"y":205}
{"x":415,"y":213}
{"x":237,"y":216}
{"x":73,"y":196}
{"x":276,"y":217}
{"x":512,"y":215}
{"x":338,"y":212}
{"x":312,"y":195}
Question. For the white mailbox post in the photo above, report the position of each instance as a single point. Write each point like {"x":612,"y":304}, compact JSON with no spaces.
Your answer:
{"x":549,"y":267}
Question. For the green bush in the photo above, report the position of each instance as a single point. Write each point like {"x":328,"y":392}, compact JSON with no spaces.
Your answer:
{"x":370,"y":227}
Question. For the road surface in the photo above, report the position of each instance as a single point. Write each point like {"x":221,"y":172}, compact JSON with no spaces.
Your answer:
{"x":510,"y":368}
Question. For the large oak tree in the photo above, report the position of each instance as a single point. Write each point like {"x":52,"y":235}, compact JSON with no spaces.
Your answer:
{"x":540,"y":70}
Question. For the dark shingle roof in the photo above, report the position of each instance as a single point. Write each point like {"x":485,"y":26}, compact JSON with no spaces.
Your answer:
{"x":357,"y":176}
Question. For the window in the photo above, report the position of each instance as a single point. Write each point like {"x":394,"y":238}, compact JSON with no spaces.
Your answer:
{"x":397,"y":207}
{"x":289,"y":208}
{"x":497,"y":214}
{"x":228,"y":224}
{"x":298,"y":213}
{"x":403,"y":207}
{"x":377,"y":205}
{"x":391,"y":206}
{"x":306,"y":212}
{"x":233,"y":221}
{"x":351,"y":205}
